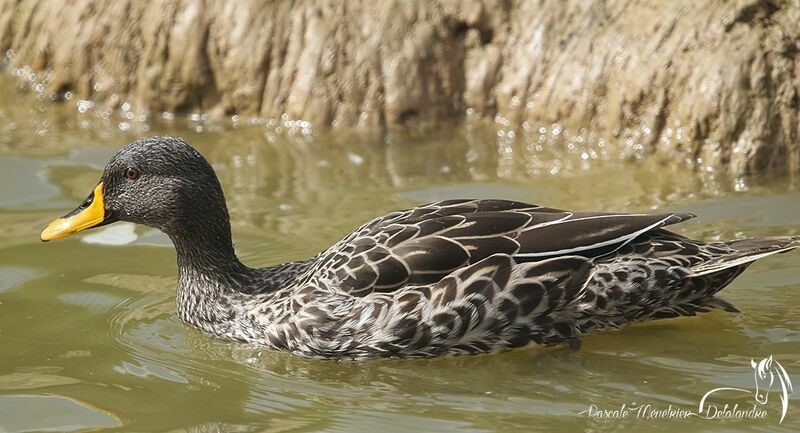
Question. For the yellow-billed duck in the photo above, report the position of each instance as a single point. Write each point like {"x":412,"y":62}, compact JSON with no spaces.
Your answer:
{"x":451,"y":277}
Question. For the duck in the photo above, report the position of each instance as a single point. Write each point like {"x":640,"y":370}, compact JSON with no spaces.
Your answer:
{"x":453,"y":277}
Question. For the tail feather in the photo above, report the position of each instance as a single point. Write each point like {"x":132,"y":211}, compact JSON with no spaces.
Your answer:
{"x":744,"y":252}
{"x":721,"y":304}
{"x":764,"y":243}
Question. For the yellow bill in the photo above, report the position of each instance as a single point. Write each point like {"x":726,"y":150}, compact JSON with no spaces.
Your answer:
{"x":90,"y":213}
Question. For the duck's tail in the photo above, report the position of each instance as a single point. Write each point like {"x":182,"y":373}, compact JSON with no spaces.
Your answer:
{"x":744,"y":252}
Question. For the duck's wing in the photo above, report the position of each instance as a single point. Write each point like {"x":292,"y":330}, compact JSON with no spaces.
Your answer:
{"x":425,"y":244}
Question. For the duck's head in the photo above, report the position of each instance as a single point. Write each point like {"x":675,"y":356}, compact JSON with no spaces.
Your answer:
{"x":161,"y":182}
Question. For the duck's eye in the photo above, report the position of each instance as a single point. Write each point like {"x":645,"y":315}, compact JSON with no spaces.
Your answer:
{"x":132,"y":173}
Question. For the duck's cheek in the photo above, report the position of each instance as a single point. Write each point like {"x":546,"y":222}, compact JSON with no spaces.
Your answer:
{"x":90,"y":213}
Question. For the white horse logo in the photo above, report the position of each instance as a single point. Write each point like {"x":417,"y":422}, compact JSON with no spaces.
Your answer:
{"x":765,"y":372}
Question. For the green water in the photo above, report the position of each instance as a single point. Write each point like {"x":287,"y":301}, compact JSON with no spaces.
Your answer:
{"x":89,"y":338}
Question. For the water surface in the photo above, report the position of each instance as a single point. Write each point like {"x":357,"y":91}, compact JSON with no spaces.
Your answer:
{"x":90,"y":339}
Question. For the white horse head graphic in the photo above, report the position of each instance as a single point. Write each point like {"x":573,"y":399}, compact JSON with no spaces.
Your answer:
{"x":765,"y":372}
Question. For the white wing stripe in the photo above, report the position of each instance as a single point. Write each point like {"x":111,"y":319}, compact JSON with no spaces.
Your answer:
{"x":566,"y":219}
{"x":623,"y":239}
{"x":548,"y":223}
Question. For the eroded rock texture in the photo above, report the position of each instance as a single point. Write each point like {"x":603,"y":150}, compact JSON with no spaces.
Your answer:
{"x":709,"y":81}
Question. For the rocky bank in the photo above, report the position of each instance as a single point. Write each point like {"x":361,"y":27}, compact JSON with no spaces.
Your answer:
{"x":714,"y":83}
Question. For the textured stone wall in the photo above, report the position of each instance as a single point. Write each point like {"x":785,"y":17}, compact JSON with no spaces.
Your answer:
{"x":710,"y":82}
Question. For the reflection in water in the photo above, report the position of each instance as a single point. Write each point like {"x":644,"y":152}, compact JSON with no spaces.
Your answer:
{"x":22,"y":413}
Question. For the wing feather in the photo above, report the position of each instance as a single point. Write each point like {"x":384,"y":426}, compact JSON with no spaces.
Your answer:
{"x":583,"y":234}
{"x":425,"y":244}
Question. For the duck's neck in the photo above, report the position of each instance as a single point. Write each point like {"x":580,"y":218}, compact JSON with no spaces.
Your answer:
{"x":214,"y":287}
{"x":210,"y":276}
{"x":207,"y":250}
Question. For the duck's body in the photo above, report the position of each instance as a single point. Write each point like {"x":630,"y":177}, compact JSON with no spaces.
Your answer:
{"x":453,"y":277}
{"x":463,"y":277}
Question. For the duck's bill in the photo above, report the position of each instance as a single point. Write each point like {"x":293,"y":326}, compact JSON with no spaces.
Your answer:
{"x":91,"y":213}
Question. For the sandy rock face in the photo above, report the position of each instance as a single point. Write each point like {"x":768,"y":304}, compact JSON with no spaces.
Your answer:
{"x":715,"y":81}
